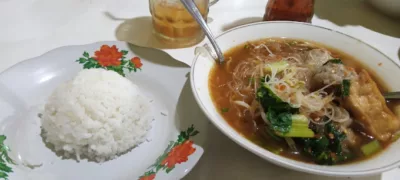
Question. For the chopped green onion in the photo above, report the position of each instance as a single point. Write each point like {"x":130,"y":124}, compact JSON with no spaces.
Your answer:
{"x":345,"y":88}
{"x":334,"y":61}
{"x":371,"y":148}
{"x":224,"y":110}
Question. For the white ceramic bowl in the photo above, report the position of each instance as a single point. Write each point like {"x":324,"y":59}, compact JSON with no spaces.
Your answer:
{"x":388,"y":71}
{"x":389,"y":7}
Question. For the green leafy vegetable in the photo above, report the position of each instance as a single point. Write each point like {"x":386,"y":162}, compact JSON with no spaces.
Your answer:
{"x":334,"y":61}
{"x":326,"y":148}
{"x":319,"y":150}
{"x":269,"y":100}
{"x":371,"y":148}
{"x":338,"y":137}
{"x":300,"y":119}
{"x":5,"y":160}
{"x":299,"y":128}
{"x":246,"y":46}
{"x":281,"y":122}
{"x":279,"y":113}
{"x":316,"y":146}
{"x":298,"y":133}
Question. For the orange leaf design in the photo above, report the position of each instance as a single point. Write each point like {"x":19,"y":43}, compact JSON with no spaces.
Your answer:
{"x":108,"y":56}
{"x":179,"y":154}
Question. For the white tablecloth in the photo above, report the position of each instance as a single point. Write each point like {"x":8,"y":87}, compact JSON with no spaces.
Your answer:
{"x":29,"y":28}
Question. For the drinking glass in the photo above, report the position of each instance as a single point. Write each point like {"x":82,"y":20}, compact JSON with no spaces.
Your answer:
{"x":173,"y":24}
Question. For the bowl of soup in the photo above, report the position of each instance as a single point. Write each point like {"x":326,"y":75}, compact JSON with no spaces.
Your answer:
{"x":303,"y":97}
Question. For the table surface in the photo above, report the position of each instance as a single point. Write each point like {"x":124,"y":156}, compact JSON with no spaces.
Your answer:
{"x":30,"y":28}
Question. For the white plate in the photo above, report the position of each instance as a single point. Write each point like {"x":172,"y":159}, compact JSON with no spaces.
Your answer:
{"x":385,"y":68}
{"x":25,"y":87}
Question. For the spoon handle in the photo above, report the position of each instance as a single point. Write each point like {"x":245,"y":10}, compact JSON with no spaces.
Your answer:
{"x":391,"y":95}
{"x":194,"y":11}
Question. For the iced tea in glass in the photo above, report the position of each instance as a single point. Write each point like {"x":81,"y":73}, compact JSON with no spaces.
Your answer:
{"x":173,"y":24}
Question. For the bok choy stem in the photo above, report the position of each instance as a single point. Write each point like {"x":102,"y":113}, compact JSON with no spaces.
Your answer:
{"x":299,"y":128}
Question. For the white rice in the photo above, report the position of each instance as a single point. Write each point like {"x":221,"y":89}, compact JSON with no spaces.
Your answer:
{"x":99,"y":114}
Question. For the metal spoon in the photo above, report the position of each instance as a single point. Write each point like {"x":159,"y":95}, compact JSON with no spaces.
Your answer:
{"x":194,"y":11}
{"x":391,"y":95}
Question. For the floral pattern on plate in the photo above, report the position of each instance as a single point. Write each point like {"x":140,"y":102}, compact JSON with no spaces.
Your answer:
{"x":110,"y":58}
{"x":5,"y":160}
{"x":176,"y":153}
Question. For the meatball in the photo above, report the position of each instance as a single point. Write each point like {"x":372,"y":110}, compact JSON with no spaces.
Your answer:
{"x":334,"y":73}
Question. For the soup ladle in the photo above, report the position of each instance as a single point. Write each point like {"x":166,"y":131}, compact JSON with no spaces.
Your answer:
{"x":194,"y":11}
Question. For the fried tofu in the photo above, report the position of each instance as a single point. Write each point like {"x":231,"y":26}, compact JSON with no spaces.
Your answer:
{"x":369,"y":108}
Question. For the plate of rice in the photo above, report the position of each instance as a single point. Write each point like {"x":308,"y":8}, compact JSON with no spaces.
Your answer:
{"x":98,"y":111}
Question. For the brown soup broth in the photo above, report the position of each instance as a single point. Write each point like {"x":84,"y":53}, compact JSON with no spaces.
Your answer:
{"x":220,"y":76}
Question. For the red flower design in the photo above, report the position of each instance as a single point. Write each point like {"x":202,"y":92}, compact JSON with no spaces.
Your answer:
{"x":137,"y":62}
{"x":148,"y":177}
{"x":108,"y":56}
{"x":179,"y":154}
